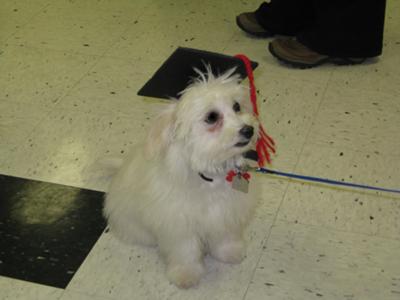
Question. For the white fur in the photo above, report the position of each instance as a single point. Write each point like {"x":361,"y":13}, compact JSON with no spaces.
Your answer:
{"x":158,"y":197}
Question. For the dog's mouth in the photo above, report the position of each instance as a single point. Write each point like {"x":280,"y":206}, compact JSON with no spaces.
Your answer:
{"x":242,"y":144}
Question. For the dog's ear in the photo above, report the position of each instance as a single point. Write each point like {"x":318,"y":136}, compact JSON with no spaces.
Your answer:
{"x":161,"y":132}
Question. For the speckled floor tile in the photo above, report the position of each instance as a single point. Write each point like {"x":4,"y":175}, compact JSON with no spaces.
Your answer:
{"x":166,"y":25}
{"x":69,"y":295}
{"x":391,"y":36}
{"x":39,"y":76}
{"x":150,"y":51}
{"x":358,"y":120}
{"x":12,"y":289}
{"x":287,"y":113}
{"x":72,"y":26}
{"x":307,"y":262}
{"x":15,"y":14}
{"x":110,"y":87}
{"x":352,"y":210}
{"x":66,"y":142}
{"x":379,"y":75}
{"x":134,"y":270}
{"x":207,"y":9}
{"x":83,"y":8}
{"x":17,"y":121}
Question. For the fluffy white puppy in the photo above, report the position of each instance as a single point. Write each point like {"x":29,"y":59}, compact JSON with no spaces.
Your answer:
{"x":173,"y":192}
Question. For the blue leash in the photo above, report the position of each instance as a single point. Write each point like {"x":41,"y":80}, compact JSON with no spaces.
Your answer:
{"x":326,"y":181}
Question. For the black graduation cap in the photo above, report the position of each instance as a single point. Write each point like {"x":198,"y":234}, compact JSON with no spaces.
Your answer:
{"x":177,"y":71}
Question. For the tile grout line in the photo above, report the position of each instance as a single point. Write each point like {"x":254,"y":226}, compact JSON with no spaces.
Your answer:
{"x":85,"y":74}
{"x":314,"y":118}
{"x":268,"y":235}
{"x":305,"y":142}
{"x":33,"y":16}
{"x":228,"y":43}
{"x":128,"y":25}
{"x":57,"y":101}
{"x":313,"y":227}
{"x":28,"y":135}
{"x":73,"y":52}
{"x":302,"y":151}
{"x":98,"y":61}
{"x":99,"y":58}
{"x":264,"y":242}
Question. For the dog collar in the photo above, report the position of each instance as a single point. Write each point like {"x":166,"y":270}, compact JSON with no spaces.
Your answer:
{"x":229,"y":176}
{"x":237,"y":173}
{"x":251,"y":154}
{"x":239,"y":179}
{"x":205,"y":178}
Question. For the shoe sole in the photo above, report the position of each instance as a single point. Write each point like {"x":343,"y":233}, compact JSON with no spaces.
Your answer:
{"x":255,"y":34}
{"x":334,"y":60}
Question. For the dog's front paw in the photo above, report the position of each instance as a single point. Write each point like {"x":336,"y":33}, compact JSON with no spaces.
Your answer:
{"x":232,"y":252}
{"x":185,"y":275}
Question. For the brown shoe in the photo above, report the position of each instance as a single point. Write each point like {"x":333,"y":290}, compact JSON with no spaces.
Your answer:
{"x":249,"y":24}
{"x":292,"y":52}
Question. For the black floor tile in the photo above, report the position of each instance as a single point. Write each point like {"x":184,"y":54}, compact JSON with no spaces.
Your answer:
{"x":46,"y":230}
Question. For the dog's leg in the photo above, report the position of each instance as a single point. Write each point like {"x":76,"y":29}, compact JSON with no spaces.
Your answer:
{"x":228,"y":248}
{"x":184,"y":258}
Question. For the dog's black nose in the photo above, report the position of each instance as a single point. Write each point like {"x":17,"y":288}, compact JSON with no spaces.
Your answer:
{"x":247,"y":131}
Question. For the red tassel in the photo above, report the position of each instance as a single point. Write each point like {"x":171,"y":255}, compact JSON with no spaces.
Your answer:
{"x":264,"y":142}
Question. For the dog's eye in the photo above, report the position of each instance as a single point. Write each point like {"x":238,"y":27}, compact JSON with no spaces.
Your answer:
{"x":212,"y":117}
{"x":236,"y":107}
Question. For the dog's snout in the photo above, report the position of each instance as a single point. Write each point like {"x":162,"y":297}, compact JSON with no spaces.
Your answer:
{"x":247,"y":131}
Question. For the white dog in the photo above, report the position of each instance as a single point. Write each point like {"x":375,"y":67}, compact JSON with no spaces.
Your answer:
{"x":173,"y":191}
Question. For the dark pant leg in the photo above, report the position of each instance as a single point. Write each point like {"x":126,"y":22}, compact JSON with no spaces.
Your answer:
{"x":346,"y":28}
{"x":286,"y":17}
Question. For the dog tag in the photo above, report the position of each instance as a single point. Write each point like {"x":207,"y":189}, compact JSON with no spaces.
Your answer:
{"x":240,"y":184}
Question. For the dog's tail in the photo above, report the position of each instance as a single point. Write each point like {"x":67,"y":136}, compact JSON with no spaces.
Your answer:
{"x":110,"y":164}
{"x":98,"y":175}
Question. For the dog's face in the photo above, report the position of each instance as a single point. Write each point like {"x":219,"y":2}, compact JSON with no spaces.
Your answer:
{"x":212,"y":122}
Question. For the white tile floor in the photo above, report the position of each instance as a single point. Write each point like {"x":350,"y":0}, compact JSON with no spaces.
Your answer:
{"x":69,"y":75}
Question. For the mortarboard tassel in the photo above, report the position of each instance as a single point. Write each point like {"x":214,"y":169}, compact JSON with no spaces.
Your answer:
{"x":264,"y":142}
